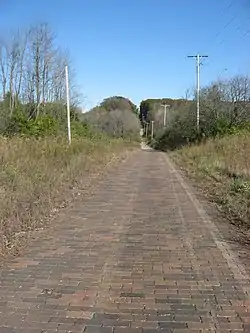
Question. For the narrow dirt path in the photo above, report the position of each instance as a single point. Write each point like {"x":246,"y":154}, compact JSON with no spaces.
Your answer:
{"x":140,"y":256}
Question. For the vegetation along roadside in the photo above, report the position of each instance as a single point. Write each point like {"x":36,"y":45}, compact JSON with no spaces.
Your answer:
{"x":39,"y":171}
{"x":216,"y":156}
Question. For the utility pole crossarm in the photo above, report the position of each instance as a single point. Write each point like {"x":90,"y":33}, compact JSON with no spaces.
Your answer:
{"x":195,"y":56}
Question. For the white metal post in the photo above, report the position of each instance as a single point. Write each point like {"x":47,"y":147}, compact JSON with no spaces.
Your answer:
{"x":165,"y":115}
{"x":68,"y":105}
{"x":152,"y":130}
{"x":198,"y":63}
{"x":198,"y":91}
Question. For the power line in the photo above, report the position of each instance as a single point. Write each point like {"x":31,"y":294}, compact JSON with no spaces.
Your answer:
{"x":238,"y":29}
{"x":231,"y":20}
{"x":230,"y":5}
{"x":198,"y":57}
{"x":227,"y":24}
{"x":240,"y":38}
{"x":227,"y":8}
{"x":247,"y":33}
{"x":221,"y":42}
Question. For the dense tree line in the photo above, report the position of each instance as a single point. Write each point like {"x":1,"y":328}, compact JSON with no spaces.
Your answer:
{"x":152,"y":109}
{"x":224,"y":108}
{"x":32,"y":91}
{"x":32,"y":67}
{"x":32,"y":80}
{"x":116,"y":116}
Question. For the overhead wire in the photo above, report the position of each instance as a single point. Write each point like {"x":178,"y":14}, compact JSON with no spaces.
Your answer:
{"x":246,"y":33}
{"x":219,"y":33}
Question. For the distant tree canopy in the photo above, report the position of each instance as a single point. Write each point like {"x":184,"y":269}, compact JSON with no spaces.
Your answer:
{"x":32,"y":83}
{"x":224,"y":108}
{"x":150,"y":107}
{"x":116,"y":116}
{"x":118,"y":103}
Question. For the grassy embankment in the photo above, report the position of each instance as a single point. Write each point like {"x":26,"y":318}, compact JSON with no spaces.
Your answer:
{"x":222,"y":168}
{"x":39,"y":176}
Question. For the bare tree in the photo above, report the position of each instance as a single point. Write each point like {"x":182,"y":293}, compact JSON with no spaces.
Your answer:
{"x":239,"y":89}
{"x":4,"y":65}
{"x":189,"y":94}
{"x":32,"y":71}
{"x":41,"y":58}
{"x":238,"y":95}
{"x":13,"y":59}
{"x":33,"y":67}
{"x":19,"y":75}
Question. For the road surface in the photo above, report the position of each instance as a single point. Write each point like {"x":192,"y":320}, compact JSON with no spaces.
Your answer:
{"x":139,"y":256}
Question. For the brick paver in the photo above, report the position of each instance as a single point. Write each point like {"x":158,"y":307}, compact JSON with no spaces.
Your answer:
{"x":140,"y":256}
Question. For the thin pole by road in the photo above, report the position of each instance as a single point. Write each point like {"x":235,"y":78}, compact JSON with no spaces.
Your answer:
{"x":68,"y":104}
{"x":198,"y":63}
{"x":152,"y":130}
{"x":146,"y":130}
{"x":165,"y":114}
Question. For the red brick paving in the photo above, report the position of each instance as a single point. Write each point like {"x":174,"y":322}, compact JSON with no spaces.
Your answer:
{"x":137,"y":257}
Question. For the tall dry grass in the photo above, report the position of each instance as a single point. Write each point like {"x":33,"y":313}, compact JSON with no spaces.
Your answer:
{"x":222,"y":166}
{"x":36,"y":175}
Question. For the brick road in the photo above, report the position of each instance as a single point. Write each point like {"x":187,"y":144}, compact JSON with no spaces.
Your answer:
{"x":140,"y":256}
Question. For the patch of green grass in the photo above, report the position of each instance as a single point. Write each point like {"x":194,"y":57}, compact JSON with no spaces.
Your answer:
{"x":240,"y":186}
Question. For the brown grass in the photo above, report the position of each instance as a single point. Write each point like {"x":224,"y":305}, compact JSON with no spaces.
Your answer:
{"x":222,"y":168}
{"x":36,"y":176}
